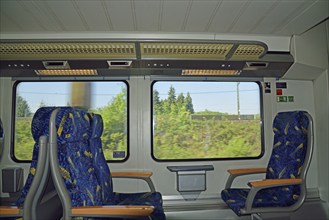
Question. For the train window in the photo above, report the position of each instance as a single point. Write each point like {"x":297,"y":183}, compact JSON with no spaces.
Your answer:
{"x":206,"y":120}
{"x":110,"y":99}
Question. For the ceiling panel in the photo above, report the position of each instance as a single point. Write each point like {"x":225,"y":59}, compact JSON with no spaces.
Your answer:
{"x":121,"y":15}
{"x":199,"y":15}
{"x":316,"y":11}
{"x":103,"y":17}
{"x":6,"y":23}
{"x":16,"y":11}
{"x":95,"y":14}
{"x":147,"y":15}
{"x":277,"y":17}
{"x":66,"y":14}
{"x":39,"y":10}
{"x":225,"y":16}
{"x":247,"y":20}
{"x":298,"y":9}
{"x":173,"y":15}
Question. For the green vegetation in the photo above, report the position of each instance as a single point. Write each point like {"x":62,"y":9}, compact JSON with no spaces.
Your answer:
{"x":114,"y":116}
{"x":22,"y":108}
{"x":114,"y":134}
{"x":179,"y":131}
{"x":24,"y":142}
{"x":23,"y":138}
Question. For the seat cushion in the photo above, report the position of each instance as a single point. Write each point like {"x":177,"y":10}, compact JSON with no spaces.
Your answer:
{"x":235,"y":199}
{"x":147,"y":198}
{"x":280,"y":196}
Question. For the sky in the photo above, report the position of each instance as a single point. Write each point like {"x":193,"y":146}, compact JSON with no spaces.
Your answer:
{"x":213,"y":96}
{"x":216,"y":96}
{"x":58,"y":93}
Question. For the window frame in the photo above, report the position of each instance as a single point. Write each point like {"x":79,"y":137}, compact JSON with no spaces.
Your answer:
{"x":261,"y":113}
{"x":13,"y":117}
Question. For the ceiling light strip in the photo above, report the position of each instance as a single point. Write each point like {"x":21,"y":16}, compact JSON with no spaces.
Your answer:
{"x":78,"y":72}
{"x":206,"y":72}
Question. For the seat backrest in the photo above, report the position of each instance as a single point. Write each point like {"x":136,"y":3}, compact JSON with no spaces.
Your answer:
{"x":102,"y":170}
{"x":75,"y":158}
{"x":291,"y":149}
{"x":39,"y":127}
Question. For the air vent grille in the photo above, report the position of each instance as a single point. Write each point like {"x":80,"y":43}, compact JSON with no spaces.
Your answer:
{"x":67,"y":50}
{"x":248,"y":52}
{"x":184,"y":50}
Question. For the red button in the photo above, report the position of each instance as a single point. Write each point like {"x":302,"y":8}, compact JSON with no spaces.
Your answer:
{"x":279,"y":92}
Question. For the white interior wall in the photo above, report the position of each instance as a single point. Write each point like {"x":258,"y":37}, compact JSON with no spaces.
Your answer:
{"x":322,"y":109}
{"x":321,"y":85}
{"x":140,"y":138}
{"x":303,"y":100}
{"x":165,"y":181}
{"x":311,"y":51}
{"x":310,"y":54}
{"x":6,"y":117}
{"x":140,"y":147}
{"x":327,"y":27}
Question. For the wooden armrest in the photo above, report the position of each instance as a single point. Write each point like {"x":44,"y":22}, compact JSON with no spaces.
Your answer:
{"x":246,"y":171}
{"x":239,"y":172}
{"x":132,"y":174}
{"x":9,"y":210}
{"x":275,"y":182}
{"x":113,"y":210}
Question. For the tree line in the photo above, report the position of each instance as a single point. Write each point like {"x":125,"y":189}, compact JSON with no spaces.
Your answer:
{"x":179,"y":135}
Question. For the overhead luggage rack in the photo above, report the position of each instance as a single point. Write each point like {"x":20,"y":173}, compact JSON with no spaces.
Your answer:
{"x":214,"y":50}
{"x":143,"y":57}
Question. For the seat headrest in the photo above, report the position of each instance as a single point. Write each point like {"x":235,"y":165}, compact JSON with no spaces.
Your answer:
{"x":285,"y":121}
{"x":96,"y":126}
{"x":40,"y":122}
{"x":72,"y":124}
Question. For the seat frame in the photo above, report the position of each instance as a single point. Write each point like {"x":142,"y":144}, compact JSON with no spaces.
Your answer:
{"x":29,"y":209}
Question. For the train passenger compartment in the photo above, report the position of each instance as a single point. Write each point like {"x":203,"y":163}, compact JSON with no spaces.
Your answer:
{"x":186,"y":90}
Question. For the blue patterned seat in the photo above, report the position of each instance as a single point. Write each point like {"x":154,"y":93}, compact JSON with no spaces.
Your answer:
{"x":101,"y":168}
{"x":39,"y":127}
{"x":289,"y":162}
{"x":25,"y":205}
{"x":75,"y":159}
{"x":104,"y":176}
{"x":80,"y":172}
